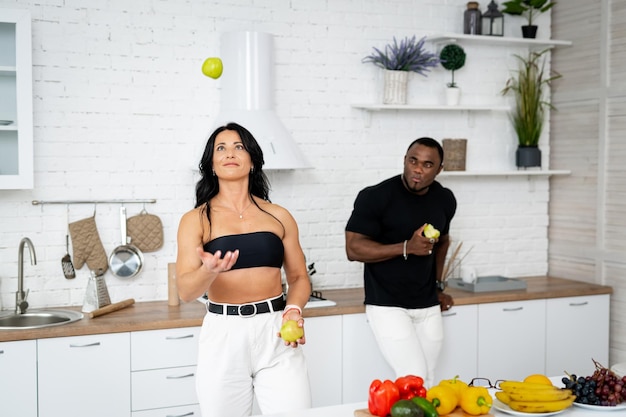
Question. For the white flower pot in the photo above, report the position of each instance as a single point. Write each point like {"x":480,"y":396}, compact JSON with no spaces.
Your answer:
{"x":395,"y":87}
{"x":453,"y":96}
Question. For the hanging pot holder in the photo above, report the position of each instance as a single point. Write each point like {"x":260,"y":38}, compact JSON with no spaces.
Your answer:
{"x":145,"y":231}
{"x":87,"y":245}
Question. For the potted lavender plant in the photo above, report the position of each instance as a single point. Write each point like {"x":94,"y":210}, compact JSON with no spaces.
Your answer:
{"x":398,"y":59}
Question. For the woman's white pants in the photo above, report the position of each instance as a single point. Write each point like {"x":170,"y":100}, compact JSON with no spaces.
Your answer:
{"x":240,"y":358}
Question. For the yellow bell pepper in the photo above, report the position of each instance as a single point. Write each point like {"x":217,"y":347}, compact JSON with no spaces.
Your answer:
{"x":443,"y":398}
{"x":456,"y":384}
{"x":476,"y":401}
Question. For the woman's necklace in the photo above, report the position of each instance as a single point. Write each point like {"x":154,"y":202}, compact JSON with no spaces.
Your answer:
{"x":240,"y":212}
{"x":246,"y":208}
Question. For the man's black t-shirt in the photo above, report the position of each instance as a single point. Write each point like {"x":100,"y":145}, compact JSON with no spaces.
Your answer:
{"x":388,"y":213}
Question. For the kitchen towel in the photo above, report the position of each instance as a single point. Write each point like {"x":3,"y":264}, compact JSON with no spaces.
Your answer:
{"x":145,"y":231}
{"x":87,"y":245}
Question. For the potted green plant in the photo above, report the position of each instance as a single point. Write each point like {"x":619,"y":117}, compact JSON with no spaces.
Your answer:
{"x":528,"y":87}
{"x":529,"y":9}
{"x":452,"y":58}
{"x":398,"y":59}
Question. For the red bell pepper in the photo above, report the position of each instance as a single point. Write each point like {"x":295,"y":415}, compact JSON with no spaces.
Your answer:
{"x":411,"y":386}
{"x":382,"y":396}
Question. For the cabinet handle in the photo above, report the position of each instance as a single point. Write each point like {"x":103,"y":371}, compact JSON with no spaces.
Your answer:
{"x":448,"y":314}
{"x":178,"y":337}
{"x":191,"y":413}
{"x":179,"y":376}
{"x":513,"y":309}
{"x":583,"y":303}
{"x":87,"y":345}
{"x":1,"y":352}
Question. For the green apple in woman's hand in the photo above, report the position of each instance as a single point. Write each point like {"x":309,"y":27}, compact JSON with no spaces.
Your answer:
{"x":291,"y":332}
{"x":212,"y":67}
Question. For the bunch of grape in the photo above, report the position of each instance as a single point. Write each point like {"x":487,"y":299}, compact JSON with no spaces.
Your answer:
{"x":603,"y":388}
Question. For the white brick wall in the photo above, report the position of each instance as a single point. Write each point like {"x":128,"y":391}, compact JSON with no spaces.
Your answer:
{"x":121,"y":111}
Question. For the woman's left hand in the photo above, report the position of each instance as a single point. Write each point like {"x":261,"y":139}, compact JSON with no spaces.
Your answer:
{"x":295,"y":316}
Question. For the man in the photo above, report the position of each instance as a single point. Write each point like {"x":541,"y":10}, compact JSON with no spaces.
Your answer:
{"x":404,"y":291}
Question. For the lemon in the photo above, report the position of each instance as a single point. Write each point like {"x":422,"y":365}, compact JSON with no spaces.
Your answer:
{"x":538,"y":379}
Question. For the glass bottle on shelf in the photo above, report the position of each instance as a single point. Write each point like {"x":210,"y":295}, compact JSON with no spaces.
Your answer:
{"x":472,"y":19}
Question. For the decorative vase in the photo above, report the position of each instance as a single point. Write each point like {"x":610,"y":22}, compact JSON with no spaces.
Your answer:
{"x":528,"y":156}
{"x":453,"y":96}
{"x":454,"y":151}
{"x":529,"y":32}
{"x":395,"y":87}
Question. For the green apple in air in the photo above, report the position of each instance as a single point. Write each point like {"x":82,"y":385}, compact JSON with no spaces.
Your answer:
{"x":291,"y":332}
{"x":430,"y":232}
{"x":212,"y":67}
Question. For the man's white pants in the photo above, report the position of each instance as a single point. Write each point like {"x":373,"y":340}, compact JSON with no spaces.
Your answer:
{"x":242,"y":357}
{"x":409,"y":339}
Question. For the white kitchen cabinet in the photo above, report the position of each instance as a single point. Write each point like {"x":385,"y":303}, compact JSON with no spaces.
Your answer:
{"x":459,"y":354}
{"x":163,"y":377}
{"x":323,"y":356}
{"x":16,"y":107}
{"x":512,"y":342}
{"x":182,"y":411}
{"x":362,"y":360}
{"x":577,"y":330}
{"x":18,"y":378}
{"x":84,"y":376}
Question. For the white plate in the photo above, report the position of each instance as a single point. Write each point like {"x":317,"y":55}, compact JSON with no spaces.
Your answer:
{"x":601,"y":407}
{"x":500,"y":406}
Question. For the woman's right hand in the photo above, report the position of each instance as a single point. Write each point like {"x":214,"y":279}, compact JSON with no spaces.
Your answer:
{"x":214,"y":263}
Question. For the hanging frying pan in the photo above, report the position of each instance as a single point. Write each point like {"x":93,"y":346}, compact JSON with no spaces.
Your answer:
{"x":126,"y":260}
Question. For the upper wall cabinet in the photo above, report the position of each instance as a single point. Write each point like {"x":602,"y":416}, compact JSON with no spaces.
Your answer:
{"x":16,"y":105}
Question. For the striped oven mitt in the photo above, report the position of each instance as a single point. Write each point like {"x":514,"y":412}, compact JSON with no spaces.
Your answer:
{"x":87,"y":245}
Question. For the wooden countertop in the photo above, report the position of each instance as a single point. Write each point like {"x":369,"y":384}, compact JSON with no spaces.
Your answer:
{"x":155,"y":315}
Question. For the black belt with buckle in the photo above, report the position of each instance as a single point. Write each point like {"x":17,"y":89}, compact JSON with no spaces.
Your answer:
{"x":248,"y":310}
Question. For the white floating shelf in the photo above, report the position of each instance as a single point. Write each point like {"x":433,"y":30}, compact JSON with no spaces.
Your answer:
{"x":497,"y":40}
{"x":518,"y":173}
{"x":423,"y":107}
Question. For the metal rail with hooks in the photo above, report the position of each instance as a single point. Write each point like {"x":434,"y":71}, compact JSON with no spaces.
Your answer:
{"x":135,"y":201}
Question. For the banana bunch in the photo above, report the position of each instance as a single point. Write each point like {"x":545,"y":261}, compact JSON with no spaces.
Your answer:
{"x":531,"y":397}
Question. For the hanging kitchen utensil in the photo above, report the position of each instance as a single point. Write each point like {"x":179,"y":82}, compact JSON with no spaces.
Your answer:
{"x":126,"y":260}
{"x":146,"y":231}
{"x":66,"y":261}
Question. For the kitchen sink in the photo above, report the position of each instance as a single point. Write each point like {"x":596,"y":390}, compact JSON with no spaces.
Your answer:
{"x":34,"y":319}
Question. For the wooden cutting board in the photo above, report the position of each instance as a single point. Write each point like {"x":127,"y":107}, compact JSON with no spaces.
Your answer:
{"x":458,"y":412}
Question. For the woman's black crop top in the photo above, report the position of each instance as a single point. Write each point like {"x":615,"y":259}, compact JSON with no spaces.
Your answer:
{"x":255,"y":249}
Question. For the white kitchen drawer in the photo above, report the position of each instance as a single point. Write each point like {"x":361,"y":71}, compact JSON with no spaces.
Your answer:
{"x":156,"y":349}
{"x":163,"y":388}
{"x":183,"y":411}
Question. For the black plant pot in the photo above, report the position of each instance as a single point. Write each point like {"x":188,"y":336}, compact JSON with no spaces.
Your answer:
{"x":529,"y":31}
{"x":528,"y":156}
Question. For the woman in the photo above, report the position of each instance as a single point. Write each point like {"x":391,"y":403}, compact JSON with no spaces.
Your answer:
{"x":231,"y":246}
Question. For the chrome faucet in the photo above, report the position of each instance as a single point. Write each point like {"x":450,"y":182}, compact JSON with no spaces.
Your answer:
{"x":20,"y":296}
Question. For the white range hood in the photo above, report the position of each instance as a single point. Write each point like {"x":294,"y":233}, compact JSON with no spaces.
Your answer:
{"x":247,"y":97}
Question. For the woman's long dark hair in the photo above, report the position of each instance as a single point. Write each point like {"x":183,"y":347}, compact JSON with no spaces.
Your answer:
{"x":208,"y":185}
